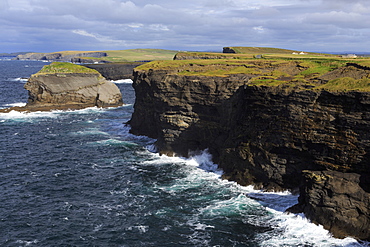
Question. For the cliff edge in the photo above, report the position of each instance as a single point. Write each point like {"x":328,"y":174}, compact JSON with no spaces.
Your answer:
{"x":276,"y":124}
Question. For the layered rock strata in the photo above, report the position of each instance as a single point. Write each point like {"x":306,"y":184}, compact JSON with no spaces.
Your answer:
{"x":79,"y":90}
{"x":275,"y":138}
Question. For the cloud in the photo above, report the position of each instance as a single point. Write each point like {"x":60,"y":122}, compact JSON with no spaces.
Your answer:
{"x":44,"y":25}
{"x":84,"y":33}
{"x":340,"y":19}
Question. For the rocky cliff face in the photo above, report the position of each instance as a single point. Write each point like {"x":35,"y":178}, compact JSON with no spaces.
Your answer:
{"x":273,"y":137}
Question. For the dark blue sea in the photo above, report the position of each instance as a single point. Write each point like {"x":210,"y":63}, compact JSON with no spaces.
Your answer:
{"x":78,"y":178}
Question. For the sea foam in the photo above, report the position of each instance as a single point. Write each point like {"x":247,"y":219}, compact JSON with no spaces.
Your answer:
{"x":20,"y":79}
{"x":123,"y":81}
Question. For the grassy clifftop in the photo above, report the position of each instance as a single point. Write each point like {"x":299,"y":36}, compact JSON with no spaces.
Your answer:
{"x":328,"y":73}
{"x":65,"y":68}
{"x":259,"y":50}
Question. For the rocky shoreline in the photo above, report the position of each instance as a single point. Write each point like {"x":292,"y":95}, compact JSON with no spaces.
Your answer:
{"x":276,"y":138}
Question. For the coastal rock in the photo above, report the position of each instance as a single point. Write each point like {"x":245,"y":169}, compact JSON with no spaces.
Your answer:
{"x":61,"y":86}
{"x":339,"y":201}
{"x":72,"y":91}
{"x":260,"y":135}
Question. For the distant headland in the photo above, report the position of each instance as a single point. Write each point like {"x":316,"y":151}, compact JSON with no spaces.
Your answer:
{"x":131,"y":55}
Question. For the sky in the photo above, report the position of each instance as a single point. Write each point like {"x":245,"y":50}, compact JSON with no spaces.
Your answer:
{"x":187,"y":25}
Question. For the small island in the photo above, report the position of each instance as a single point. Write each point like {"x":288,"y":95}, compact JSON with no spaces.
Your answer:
{"x":63,"y":86}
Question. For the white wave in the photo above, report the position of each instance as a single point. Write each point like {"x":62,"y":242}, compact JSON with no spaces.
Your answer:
{"x":89,"y":131}
{"x":204,"y":161}
{"x":296,"y":230}
{"x":114,"y":142}
{"x":141,"y":229}
{"x":19,"y":104}
{"x":27,"y":243}
{"x":239,"y":205}
{"x":20,"y":79}
{"x":266,"y":209}
{"x":123,"y":81}
{"x":25,"y":116}
{"x":98,"y":228}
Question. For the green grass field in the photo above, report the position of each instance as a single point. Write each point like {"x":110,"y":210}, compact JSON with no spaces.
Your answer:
{"x":64,"y":68}
{"x":139,"y":55}
{"x":288,"y":71}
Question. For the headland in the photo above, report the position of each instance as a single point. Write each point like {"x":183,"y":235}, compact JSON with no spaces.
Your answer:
{"x":290,"y":120}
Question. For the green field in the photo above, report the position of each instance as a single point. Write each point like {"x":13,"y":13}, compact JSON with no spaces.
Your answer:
{"x":139,"y":55}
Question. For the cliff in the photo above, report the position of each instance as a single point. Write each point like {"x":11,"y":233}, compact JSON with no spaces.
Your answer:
{"x":199,"y":55}
{"x":60,"y":56}
{"x":68,"y":86}
{"x":115,"y":71}
{"x":275,"y":124}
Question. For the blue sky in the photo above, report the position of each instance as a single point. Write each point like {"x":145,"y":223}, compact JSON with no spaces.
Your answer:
{"x":202,"y":25}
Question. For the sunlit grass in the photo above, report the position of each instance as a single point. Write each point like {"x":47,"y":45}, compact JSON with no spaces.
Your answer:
{"x":132,"y":55}
{"x":65,"y":68}
{"x":288,"y":72}
{"x":347,"y":84}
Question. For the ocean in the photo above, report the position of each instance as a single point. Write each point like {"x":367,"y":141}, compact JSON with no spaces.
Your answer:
{"x":79,"y":178}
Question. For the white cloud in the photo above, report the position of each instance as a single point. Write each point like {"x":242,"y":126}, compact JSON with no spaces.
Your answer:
{"x":84,"y":33}
{"x":119,"y":24}
{"x":340,"y":19}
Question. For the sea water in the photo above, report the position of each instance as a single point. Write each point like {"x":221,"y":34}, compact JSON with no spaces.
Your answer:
{"x":79,"y":178}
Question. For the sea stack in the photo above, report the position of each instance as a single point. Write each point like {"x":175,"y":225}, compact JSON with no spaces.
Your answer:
{"x":61,"y":86}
